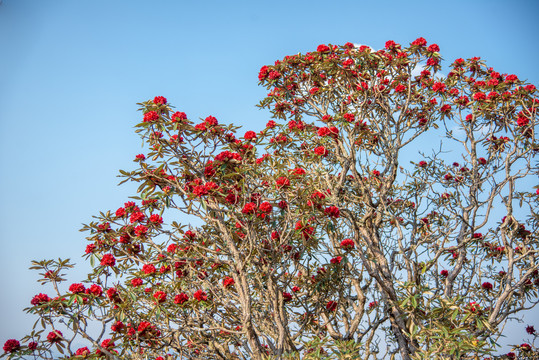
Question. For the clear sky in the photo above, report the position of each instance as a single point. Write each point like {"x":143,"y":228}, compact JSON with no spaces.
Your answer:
{"x":72,"y":71}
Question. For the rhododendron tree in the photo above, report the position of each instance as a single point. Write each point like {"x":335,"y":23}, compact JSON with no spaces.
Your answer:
{"x":386,"y":211}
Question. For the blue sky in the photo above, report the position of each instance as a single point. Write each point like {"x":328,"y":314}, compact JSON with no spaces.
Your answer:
{"x":72,"y":71}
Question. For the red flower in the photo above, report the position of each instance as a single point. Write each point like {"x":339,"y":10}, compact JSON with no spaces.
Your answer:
{"x":141,"y":230}
{"x":90,"y":248}
{"x":55,"y":336}
{"x":11,"y":345}
{"x":321,"y":151}
{"x":299,"y":171}
{"x":347,"y":244}
{"x":433,"y":48}
{"x":282,"y":182}
{"x":332,"y":211}
{"x":479,"y":96}
{"x":349,"y":117}
{"x":530,"y":329}
{"x":228,"y":281}
{"x":250,"y":135}
{"x":487,"y":286}
{"x":323,"y":131}
{"x":249,"y":208}
{"x":373,"y":304}
{"x":331,"y":306}
{"x":136,"y":217}
{"x":211,"y":121}
{"x":271,"y":124}
{"x":148,"y":269}
{"x":159,"y":100}
{"x":287,"y":297}
{"x":263,"y":73}
{"x":77,"y":288}
{"x":422,"y":164}
{"x":525,"y":347}
{"x":181,"y":298}
{"x":274,"y":75}
{"x":157,"y":219}
{"x":117,"y":327}
{"x":265,"y":207}
{"x":432,"y":62}
{"x":419,"y":42}
{"x":150,"y":116}
{"x":445,"y":109}
{"x":136,"y":282}
{"x":121,"y":211}
{"x":40,"y":299}
{"x":108,"y":260}
{"x":444,"y":273}
{"x":84,"y":351}
{"x":200,"y":295}
{"x":113,"y":295}
{"x":336,"y":260}
{"x":32,"y":345}
{"x":160,"y":296}
{"x":400,"y":88}
{"x":438,"y":87}
{"x":390,"y":44}
{"x":323,"y":48}
{"x":178,"y":116}
{"x":95,"y":290}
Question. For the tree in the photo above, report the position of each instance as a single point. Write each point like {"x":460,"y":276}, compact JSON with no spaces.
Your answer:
{"x":387,"y":211}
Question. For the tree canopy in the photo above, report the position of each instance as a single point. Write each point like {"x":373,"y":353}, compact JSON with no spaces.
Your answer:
{"x":387,"y":210}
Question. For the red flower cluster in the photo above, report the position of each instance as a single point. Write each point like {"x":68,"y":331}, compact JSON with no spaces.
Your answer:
{"x":282,"y":182}
{"x":178,"y":117}
{"x":332,"y":211}
{"x":249,"y":208}
{"x":95,"y":290}
{"x":227,"y":282}
{"x":321,"y":151}
{"x":181,"y":298}
{"x":323,"y":48}
{"x":250,"y":135}
{"x":347,"y":244}
{"x":331,"y":306}
{"x":55,"y":336}
{"x":83,"y":351}
{"x":159,"y":100}
{"x":77,"y":288}
{"x":141,"y":230}
{"x":487,"y":286}
{"x":200,"y":295}
{"x":40,"y":299}
{"x":160,"y":296}
{"x":11,"y":345}
{"x":331,"y":131}
{"x":156,"y":219}
{"x":226,"y":156}
{"x":148,"y":269}
{"x":150,"y":116}
{"x":108,"y":260}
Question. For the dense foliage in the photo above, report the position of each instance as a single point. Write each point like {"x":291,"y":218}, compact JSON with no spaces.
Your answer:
{"x":387,"y":211}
